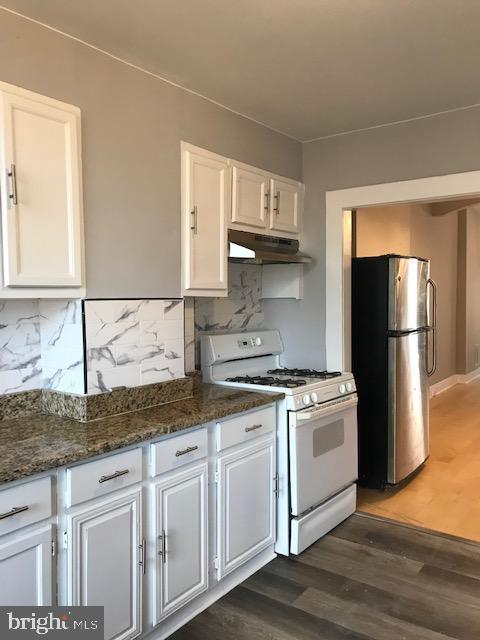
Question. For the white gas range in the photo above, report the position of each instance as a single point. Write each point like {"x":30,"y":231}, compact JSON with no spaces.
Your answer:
{"x":316,"y":431}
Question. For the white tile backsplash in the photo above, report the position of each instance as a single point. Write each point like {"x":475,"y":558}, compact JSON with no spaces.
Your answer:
{"x":20,"y":379}
{"x":189,"y":334}
{"x":61,"y":329}
{"x":241,"y":310}
{"x":20,"y":346}
{"x":110,"y":333}
{"x":101,"y":380}
{"x":128,"y":343}
{"x":133,"y":342}
{"x":136,"y":354}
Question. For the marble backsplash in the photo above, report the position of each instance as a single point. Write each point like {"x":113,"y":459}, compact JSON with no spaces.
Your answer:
{"x":189,"y":310}
{"x":61,"y":334}
{"x":133,"y":342}
{"x":126,"y":342}
{"x":20,"y":346}
{"x":241,"y":310}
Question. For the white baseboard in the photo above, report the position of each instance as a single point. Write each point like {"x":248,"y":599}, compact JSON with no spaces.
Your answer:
{"x":443,"y":385}
{"x":457,"y":378}
{"x":469,"y":377}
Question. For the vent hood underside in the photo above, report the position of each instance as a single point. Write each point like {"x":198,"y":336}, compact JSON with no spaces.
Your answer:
{"x":253,"y":248}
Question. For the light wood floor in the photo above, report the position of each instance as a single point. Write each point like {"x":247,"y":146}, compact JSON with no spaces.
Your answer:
{"x":445,"y":496}
{"x":366,"y":580}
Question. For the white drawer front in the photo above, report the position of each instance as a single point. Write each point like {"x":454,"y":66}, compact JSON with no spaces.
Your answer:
{"x":94,"y":479}
{"x":245,"y":427}
{"x":25,"y":504}
{"x":179,"y":450}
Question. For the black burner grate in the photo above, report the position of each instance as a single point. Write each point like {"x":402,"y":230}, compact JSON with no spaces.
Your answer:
{"x":305,"y":373}
{"x":269,"y":381}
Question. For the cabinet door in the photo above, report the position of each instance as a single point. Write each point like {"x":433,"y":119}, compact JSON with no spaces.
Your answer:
{"x":286,"y":204}
{"x":26,"y":567}
{"x":181,"y":534}
{"x":103,"y":554}
{"x":246,"y":504}
{"x":41,"y":192}
{"x":249,"y":197}
{"x":205,"y":193}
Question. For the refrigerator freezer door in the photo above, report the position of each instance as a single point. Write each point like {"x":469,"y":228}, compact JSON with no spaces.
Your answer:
{"x":407,"y":298}
{"x":408,"y":442}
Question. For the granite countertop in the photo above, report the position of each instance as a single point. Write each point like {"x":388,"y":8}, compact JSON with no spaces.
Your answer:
{"x":40,"y":442}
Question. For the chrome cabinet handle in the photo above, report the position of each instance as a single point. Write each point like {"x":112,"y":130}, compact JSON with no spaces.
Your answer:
{"x":431,"y":370}
{"x":194,"y":213}
{"x":277,"y":198}
{"x":254,"y":427}
{"x":163,"y":551}
{"x":117,"y":474}
{"x":13,"y":512}
{"x":267,"y":201}
{"x":12,"y":174}
{"x":276,"y":485}
{"x":182,"y":452}
{"x":143,"y":560}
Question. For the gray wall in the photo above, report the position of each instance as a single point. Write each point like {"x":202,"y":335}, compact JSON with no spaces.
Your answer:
{"x":449,"y":143}
{"x":468,"y":304}
{"x":132,"y":127}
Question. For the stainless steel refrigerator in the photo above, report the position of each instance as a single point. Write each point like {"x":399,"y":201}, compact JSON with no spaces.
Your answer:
{"x":393,"y":355}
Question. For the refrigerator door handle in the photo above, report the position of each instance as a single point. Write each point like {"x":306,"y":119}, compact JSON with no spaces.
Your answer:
{"x":431,"y":369}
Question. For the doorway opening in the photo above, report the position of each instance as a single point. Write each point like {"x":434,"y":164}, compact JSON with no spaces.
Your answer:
{"x":445,"y":494}
{"x":454,"y":403}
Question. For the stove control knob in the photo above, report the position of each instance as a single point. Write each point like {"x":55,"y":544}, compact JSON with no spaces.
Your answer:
{"x":314,"y":397}
{"x":258,"y":341}
{"x":306,"y":399}
{"x":342,"y":388}
{"x":349,"y":386}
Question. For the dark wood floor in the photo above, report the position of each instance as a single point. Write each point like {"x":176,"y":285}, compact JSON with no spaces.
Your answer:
{"x":368,"y":579}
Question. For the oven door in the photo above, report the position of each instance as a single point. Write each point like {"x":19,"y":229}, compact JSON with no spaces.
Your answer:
{"x":323,"y":452}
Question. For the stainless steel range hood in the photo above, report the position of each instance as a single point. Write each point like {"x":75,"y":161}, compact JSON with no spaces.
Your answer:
{"x":255,"y":248}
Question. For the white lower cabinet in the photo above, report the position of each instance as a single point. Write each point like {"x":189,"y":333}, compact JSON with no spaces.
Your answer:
{"x":210,"y":511}
{"x":181,"y":567}
{"x":246,"y":503}
{"x":105,"y":559}
{"x":26,"y":569}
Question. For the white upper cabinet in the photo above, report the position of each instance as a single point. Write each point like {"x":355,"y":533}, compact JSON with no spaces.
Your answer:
{"x":265,"y":203}
{"x":286,"y":205}
{"x":205,"y":204}
{"x":249,"y":197}
{"x":41,"y":195}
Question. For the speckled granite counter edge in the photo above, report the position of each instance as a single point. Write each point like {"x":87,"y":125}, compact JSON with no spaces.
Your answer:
{"x":21,"y":404}
{"x":147,"y":427}
{"x":85,"y":408}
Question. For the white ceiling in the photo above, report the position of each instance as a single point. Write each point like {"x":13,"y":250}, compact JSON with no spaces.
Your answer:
{"x":308,"y":68}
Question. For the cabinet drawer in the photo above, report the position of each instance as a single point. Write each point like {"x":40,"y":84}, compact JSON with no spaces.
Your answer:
{"x":25,"y":504}
{"x":95,"y":479}
{"x":245,"y":427}
{"x":179,"y":450}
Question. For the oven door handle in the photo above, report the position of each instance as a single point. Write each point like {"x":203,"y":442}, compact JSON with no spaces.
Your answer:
{"x":313,"y":413}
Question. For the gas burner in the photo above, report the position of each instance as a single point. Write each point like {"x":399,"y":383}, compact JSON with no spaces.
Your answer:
{"x":269,"y":381}
{"x":305,"y":373}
